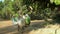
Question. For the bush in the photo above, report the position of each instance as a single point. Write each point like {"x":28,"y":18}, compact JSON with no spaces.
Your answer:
{"x":56,"y":18}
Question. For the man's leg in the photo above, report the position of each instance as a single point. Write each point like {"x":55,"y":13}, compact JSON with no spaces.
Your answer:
{"x":18,"y":27}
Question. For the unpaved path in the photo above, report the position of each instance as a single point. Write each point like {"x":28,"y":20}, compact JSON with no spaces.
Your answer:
{"x":6,"y":27}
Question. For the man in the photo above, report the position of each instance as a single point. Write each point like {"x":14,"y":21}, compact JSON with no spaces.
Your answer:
{"x":27,"y":19}
{"x":14,"y":19}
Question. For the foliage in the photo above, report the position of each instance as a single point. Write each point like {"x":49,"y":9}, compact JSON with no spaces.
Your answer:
{"x":57,"y":2}
{"x":37,"y":9}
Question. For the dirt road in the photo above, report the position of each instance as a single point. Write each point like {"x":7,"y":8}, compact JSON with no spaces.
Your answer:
{"x":6,"y":27}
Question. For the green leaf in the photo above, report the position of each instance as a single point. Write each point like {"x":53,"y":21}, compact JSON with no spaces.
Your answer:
{"x":57,"y":2}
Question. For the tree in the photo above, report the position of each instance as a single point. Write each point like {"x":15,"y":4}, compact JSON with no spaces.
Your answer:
{"x":7,"y":9}
{"x":57,"y":2}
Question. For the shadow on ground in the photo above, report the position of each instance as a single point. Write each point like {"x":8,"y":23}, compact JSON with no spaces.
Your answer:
{"x":13,"y":29}
{"x":8,"y":29}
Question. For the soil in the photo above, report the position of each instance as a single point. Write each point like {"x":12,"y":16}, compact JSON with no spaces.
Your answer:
{"x":6,"y":27}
